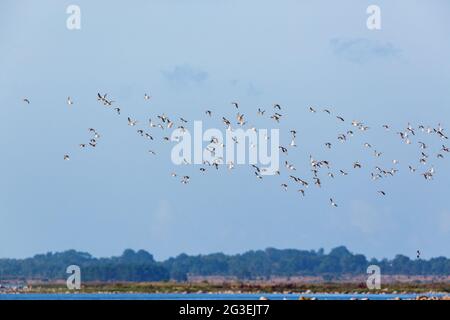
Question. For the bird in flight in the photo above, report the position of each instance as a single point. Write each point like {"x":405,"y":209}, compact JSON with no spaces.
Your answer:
{"x":408,"y":136}
{"x":292,"y":144}
{"x":422,"y":145}
{"x":276,"y":117}
{"x":185,"y":179}
{"x":103,"y":99}
{"x":131,"y":122}
{"x":289,"y":166}
{"x":332,"y":203}
{"x":240,"y":119}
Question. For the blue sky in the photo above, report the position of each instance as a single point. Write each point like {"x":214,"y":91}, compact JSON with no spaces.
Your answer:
{"x":197,"y":55}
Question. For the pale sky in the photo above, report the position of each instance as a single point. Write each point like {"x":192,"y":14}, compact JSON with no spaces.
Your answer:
{"x":191,"y":56}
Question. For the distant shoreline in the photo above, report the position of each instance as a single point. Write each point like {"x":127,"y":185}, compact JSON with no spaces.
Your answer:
{"x":290,"y":266}
{"x":229,"y":287}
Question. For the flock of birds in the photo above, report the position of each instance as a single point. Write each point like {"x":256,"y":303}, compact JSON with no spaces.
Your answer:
{"x":407,"y":135}
{"x":166,"y":123}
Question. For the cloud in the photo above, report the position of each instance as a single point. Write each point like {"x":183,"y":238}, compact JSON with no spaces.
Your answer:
{"x":361,"y":50}
{"x":185,"y":76}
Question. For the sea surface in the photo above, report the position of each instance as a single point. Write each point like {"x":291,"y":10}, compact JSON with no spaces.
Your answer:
{"x":206,"y":296}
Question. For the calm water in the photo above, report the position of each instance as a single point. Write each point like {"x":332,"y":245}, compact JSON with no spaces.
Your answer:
{"x":194,"y":296}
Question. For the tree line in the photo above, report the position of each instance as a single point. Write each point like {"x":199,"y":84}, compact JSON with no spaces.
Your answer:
{"x":140,"y":265}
